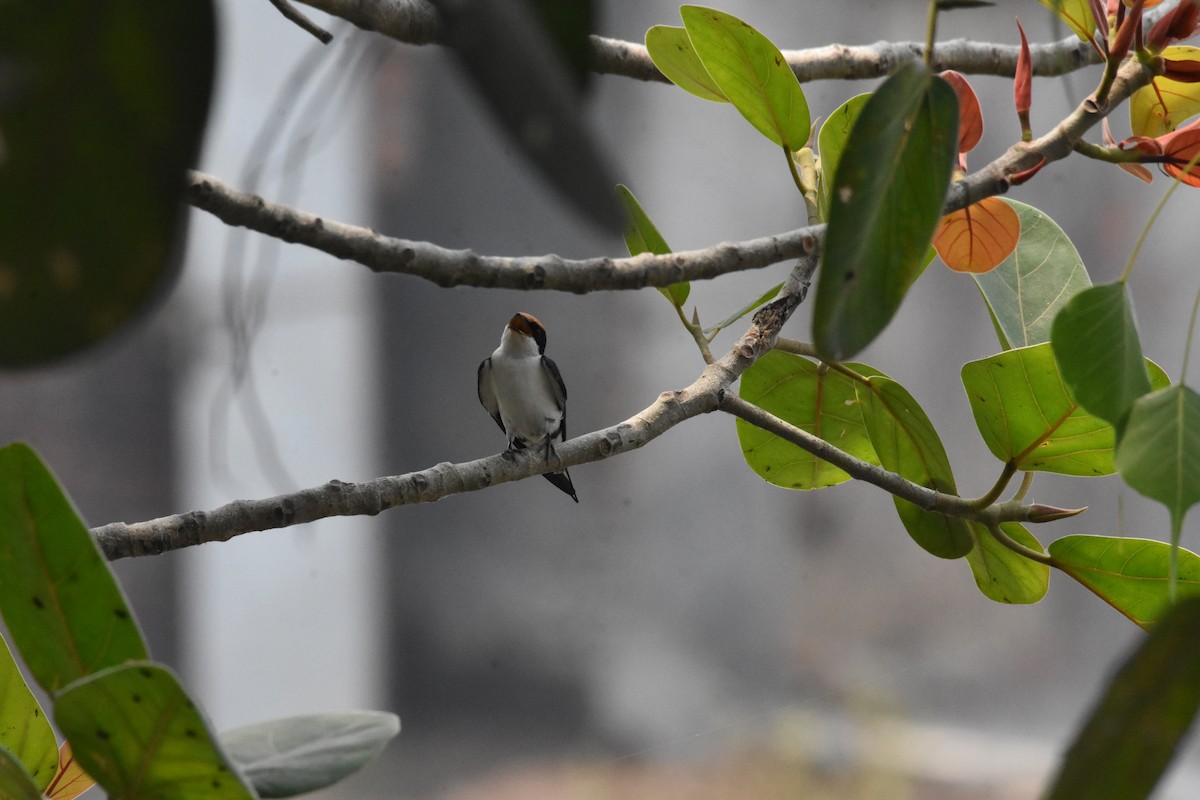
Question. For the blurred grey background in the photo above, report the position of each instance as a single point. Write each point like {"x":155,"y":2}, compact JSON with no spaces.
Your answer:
{"x":686,"y":623}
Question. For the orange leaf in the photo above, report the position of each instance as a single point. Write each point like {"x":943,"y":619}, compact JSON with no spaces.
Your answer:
{"x":970,"y":118}
{"x":1181,"y":147}
{"x":70,"y":781}
{"x":977,"y":238}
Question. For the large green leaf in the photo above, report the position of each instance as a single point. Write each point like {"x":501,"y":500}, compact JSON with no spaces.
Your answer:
{"x":885,"y":203}
{"x":102,"y":112}
{"x":1029,"y":287}
{"x":1138,"y":724}
{"x":291,"y":756}
{"x":1159,"y":454}
{"x":751,"y":72}
{"x":1002,"y":574}
{"x":907,"y":444}
{"x":64,"y":610}
{"x":641,"y":236}
{"x":1131,"y":575}
{"x":821,"y":402}
{"x":1096,"y":344}
{"x":831,"y":141}
{"x":15,"y":781}
{"x":671,"y":51}
{"x":24,"y":730}
{"x":135,"y":731}
{"x":1028,"y":417}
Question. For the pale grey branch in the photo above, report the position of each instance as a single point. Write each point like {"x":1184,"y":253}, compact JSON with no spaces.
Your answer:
{"x":465,"y":268}
{"x":416,"y":22}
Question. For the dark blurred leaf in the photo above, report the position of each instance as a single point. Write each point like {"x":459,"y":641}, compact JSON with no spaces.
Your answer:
{"x":15,"y":781}
{"x":525,"y":81}
{"x":884,"y":204}
{"x":1133,"y":732}
{"x":1095,"y":341}
{"x":102,"y":106}
{"x":570,"y":23}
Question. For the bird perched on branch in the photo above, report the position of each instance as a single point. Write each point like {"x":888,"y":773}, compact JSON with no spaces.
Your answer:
{"x":523,"y":391}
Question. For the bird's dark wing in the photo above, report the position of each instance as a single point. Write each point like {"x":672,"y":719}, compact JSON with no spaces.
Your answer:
{"x":559,"y":389}
{"x":487,"y":392}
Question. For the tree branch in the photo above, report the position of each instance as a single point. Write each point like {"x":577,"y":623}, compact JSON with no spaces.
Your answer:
{"x":416,"y":22}
{"x":465,"y":268}
{"x":709,"y":392}
{"x":337,"y":498}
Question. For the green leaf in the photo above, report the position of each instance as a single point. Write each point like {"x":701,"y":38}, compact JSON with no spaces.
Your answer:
{"x":15,"y":781}
{"x":1029,"y":287}
{"x":671,"y":51}
{"x":907,"y":444}
{"x":103,"y":111}
{"x":1003,"y":575}
{"x":25,"y":733}
{"x":1096,"y":344}
{"x":886,"y":201}
{"x":1076,"y":13}
{"x":766,"y":296}
{"x":1135,"y":729}
{"x":751,"y":72}
{"x":831,"y":141}
{"x":1159,"y":453}
{"x":1131,"y":575}
{"x":135,"y":731}
{"x":64,"y":610}
{"x":820,"y":402}
{"x":286,"y":757}
{"x":1028,"y":417}
{"x":641,"y":236}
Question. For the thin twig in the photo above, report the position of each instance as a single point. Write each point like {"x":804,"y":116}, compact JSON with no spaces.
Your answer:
{"x":297,"y":16}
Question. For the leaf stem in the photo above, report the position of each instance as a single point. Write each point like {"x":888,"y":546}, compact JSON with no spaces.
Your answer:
{"x":1018,"y":548}
{"x":1137,"y":247}
{"x":1023,"y":489}
{"x":697,"y":332}
{"x":993,"y":494}
{"x":810,"y":351}
{"x":1187,"y":347}
{"x":930,"y":32}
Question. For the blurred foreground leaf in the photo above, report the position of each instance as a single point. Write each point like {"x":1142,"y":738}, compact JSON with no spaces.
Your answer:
{"x":102,"y":108}
{"x":1136,"y":727}
{"x":885,"y":202}
{"x":524,"y":78}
